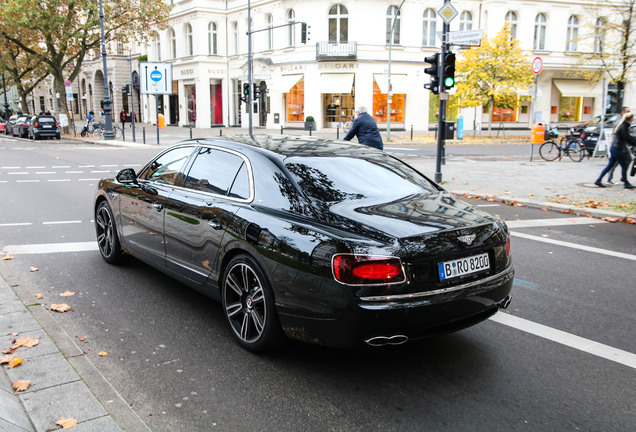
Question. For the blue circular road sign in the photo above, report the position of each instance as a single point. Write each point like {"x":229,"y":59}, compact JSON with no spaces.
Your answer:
{"x":155,"y":75}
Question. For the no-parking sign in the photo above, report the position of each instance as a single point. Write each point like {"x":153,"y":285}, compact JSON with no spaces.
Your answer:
{"x":155,"y":78}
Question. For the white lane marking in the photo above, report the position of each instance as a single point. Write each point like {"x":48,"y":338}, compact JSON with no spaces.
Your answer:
{"x":94,"y":172}
{"x":35,"y":167}
{"x":95,"y":179}
{"x":59,"y":180}
{"x":73,"y":172}
{"x":7,"y":167}
{"x":27,"y":181}
{"x":489,"y":205}
{"x":18,"y":173}
{"x":61,"y":222}
{"x":533,"y":223}
{"x":16,"y":224}
{"x":575,"y":246}
{"x":61,"y":166}
{"x":598,"y":349}
{"x":46,"y":248}
{"x":108,"y":166}
{"x":86,"y":166}
{"x":45,"y":172}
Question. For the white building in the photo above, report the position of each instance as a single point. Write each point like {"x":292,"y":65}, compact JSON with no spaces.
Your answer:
{"x":344,"y":63}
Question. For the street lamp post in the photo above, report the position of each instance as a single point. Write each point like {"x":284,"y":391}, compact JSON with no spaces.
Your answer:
{"x":108,"y":120}
{"x":6,"y":104}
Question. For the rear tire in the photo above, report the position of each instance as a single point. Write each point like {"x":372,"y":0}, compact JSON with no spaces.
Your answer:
{"x":107,"y":239}
{"x":575,"y":152}
{"x":248,"y":305}
{"x":549,"y":150}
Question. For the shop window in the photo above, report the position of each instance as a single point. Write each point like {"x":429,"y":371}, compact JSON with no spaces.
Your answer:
{"x":380,"y":106}
{"x":570,"y":109}
{"x":191,"y":103}
{"x":587,"y":110}
{"x":553,"y":110}
{"x":500,"y":114}
{"x":296,"y":102}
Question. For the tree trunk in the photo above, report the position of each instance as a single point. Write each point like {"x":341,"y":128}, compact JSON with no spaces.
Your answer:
{"x":61,"y":107}
{"x":490,"y":111}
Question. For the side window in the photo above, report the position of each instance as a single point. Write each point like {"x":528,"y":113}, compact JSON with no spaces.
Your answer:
{"x":216,"y":171}
{"x":241,"y":186}
{"x":168,"y":168}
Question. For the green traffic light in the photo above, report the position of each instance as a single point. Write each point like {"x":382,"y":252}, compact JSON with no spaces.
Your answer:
{"x":449,"y":82}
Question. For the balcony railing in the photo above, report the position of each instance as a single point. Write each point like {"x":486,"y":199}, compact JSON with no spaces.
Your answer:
{"x":331,"y":51}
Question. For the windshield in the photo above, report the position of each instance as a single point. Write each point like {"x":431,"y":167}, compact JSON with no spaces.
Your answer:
{"x":335,"y":178}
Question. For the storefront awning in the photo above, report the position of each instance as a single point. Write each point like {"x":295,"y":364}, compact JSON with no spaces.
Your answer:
{"x":578,"y":88}
{"x":399,"y":83}
{"x":340,"y":83}
{"x":285,"y":83}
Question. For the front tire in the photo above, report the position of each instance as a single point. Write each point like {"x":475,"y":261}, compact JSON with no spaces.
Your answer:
{"x":248,"y":305}
{"x":107,"y":239}
{"x":575,"y":151}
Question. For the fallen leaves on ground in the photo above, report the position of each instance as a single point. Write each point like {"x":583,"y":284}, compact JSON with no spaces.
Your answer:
{"x":25,"y":342}
{"x":66,"y":423}
{"x":612,"y":219}
{"x":33,"y":269}
{"x":8,"y":351}
{"x":67,"y":294}
{"x":15,"y":362}
{"x":102,"y":354}
{"x":8,"y":358}
{"x":21,"y":385}
{"x":39,"y":296}
{"x":7,"y":258}
{"x":630,"y":220}
{"x":82,"y":338}
{"x":63,"y":307}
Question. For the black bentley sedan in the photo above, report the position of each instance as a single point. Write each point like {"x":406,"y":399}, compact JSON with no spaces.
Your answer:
{"x":326,"y":242}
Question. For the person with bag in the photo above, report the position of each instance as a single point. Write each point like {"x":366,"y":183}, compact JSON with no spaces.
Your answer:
{"x":619,"y":150}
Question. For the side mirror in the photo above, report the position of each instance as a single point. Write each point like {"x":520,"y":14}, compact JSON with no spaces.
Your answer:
{"x":126,"y":176}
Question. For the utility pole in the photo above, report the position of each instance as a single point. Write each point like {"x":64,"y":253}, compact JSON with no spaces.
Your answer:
{"x":108,"y":109}
{"x":390,"y":89}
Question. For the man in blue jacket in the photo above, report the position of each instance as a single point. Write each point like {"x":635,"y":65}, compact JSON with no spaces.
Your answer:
{"x":365,"y":128}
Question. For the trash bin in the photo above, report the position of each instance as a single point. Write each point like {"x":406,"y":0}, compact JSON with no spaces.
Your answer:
{"x":162,"y":121}
{"x":537,"y":134}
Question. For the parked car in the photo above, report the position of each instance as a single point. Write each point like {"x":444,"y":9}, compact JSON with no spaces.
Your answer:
{"x":2,"y":125}
{"x":321,"y":241}
{"x":44,"y":126}
{"x":21,"y":126}
{"x":8,"y":128}
{"x":590,"y":131}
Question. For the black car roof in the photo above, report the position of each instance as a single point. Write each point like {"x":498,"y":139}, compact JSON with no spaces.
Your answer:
{"x":283,"y":146}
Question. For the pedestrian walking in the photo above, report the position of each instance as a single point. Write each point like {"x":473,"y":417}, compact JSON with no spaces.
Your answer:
{"x":624,"y":111}
{"x":619,"y":150}
{"x":122,"y":117}
{"x":366,"y":129}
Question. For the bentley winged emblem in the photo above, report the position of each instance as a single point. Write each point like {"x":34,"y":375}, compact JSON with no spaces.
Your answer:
{"x":468,"y":239}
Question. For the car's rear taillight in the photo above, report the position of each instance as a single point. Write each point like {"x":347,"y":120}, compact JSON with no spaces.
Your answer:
{"x":35,"y":125}
{"x":25,"y":124}
{"x":367,"y":269}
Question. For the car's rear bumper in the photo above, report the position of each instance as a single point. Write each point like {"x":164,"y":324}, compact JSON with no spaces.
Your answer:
{"x":396,"y":320}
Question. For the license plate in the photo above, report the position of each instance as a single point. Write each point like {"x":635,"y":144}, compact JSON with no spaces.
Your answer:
{"x":463,"y":266}
{"x":47,"y":126}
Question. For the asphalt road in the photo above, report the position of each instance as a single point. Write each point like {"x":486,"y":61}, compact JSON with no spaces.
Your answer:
{"x":552,"y":361}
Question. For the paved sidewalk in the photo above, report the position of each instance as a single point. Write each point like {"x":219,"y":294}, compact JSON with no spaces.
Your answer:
{"x":64,"y":382}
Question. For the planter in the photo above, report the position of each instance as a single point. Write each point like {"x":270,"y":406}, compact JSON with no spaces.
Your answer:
{"x":310,"y":125}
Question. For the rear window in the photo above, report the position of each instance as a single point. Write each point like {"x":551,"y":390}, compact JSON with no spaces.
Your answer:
{"x":334,"y":179}
{"x":46,"y":120}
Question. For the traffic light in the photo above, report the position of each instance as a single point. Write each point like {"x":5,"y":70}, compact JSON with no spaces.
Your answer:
{"x":304,"y":32}
{"x":257,"y":91}
{"x":433,"y":71}
{"x":246,"y":92}
{"x":449,"y":70}
{"x":125,"y":89}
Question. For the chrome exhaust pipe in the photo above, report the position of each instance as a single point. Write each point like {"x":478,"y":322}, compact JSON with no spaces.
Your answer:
{"x":379,"y":341}
{"x":505,"y":303}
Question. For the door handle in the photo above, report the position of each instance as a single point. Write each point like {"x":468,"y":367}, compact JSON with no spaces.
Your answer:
{"x":158,"y":206}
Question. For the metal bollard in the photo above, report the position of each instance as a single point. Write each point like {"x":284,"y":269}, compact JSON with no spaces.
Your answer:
{"x":220,"y":132}
{"x":281,"y":130}
{"x":310,"y":128}
{"x":190,"y":131}
{"x":411,"y":132}
{"x":123,"y":133}
{"x":338,"y":132}
{"x":144,"y":133}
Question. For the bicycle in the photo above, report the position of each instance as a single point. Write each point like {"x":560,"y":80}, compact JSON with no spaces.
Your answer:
{"x":569,"y":145}
{"x":98,"y":133}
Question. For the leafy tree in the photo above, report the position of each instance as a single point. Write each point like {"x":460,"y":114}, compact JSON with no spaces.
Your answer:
{"x":66,"y":30}
{"x":609,"y":49}
{"x":493,"y":74}
{"x":24,"y":71}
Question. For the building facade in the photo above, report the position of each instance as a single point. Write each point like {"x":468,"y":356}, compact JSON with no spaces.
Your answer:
{"x":344,"y":62}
